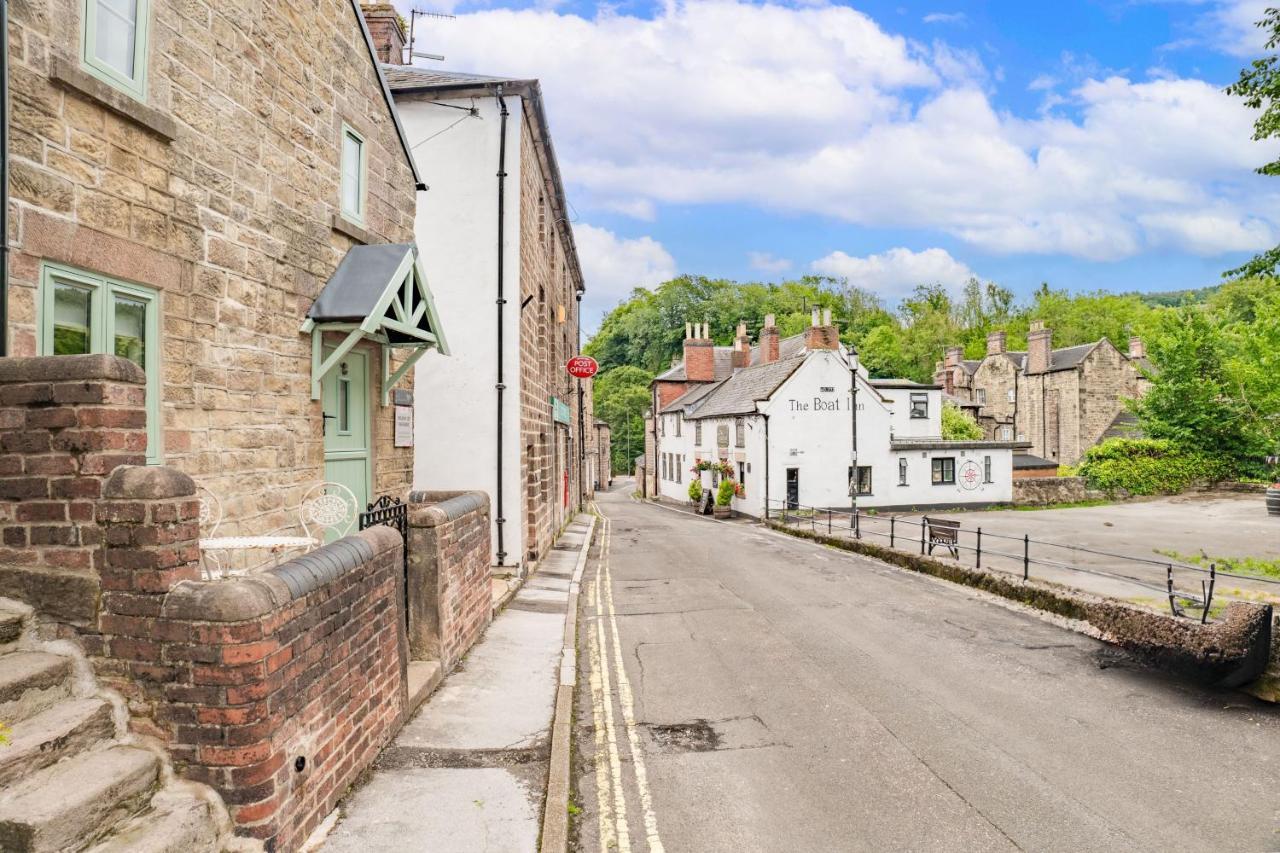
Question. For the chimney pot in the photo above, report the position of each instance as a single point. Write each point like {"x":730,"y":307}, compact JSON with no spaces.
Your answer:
{"x":815,"y":317}
{"x":826,"y":316}
{"x":688,"y":331}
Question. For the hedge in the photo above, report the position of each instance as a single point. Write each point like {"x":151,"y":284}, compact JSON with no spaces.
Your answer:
{"x":1148,"y":466}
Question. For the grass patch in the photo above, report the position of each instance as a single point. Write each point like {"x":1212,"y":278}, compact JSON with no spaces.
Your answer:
{"x":1257,"y":567}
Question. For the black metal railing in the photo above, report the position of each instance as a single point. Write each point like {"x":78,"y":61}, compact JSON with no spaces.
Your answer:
{"x":904,"y":532}
{"x":394,"y":513}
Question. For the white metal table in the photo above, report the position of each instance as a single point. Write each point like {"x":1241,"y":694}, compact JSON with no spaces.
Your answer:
{"x":273,"y":544}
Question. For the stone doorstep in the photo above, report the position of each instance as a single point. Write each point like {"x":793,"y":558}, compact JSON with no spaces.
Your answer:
{"x":424,"y":677}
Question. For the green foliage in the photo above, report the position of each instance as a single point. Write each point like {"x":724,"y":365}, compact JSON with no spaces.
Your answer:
{"x":695,"y":490}
{"x":725,"y":492}
{"x":1148,"y":466}
{"x":1259,"y":86}
{"x":958,"y":425}
{"x":621,"y":398}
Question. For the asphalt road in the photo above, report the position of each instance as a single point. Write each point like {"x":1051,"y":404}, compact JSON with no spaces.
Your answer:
{"x":743,"y":691}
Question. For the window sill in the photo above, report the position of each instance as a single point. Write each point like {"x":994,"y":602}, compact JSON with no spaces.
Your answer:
{"x":71,"y":76}
{"x":347,"y":228}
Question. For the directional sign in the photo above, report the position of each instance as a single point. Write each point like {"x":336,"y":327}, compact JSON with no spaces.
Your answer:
{"x":582,"y":366}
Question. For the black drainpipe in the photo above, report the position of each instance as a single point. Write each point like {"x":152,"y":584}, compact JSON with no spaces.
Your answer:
{"x":500,"y":518}
{"x":582,"y":418}
{"x":4,"y":178}
{"x":766,"y":465}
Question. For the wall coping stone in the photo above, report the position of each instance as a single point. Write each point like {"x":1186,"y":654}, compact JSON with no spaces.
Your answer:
{"x":247,"y":597}
{"x":148,"y":482}
{"x":59,"y":368}
{"x":69,"y":75}
{"x":436,"y":508}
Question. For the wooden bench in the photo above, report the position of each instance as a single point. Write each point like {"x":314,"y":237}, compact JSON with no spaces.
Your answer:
{"x":944,"y":534}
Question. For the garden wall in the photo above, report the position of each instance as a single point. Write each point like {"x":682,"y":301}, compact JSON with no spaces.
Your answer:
{"x":450,"y":587}
{"x":1042,"y":491}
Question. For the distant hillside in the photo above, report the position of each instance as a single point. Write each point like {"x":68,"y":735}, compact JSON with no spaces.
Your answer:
{"x":1174,"y":298}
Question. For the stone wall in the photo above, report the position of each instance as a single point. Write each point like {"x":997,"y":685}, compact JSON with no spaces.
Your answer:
{"x":450,"y":596}
{"x":997,"y":375}
{"x":1042,"y":491}
{"x":548,"y":339}
{"x":219,"y":190}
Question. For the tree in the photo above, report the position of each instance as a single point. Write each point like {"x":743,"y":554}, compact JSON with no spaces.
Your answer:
{"x":1259,"y":86}
{"x":621,"y":398}
{"x":958,"y":425}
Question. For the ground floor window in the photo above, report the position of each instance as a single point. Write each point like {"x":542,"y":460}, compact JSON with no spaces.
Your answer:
{"x":902,"y":472}
{"x":986,"y":469}
{"x":742,"y":473}
{"x":83,"y":312}
{"x":864,"y":479}
{"x":944,"y":471}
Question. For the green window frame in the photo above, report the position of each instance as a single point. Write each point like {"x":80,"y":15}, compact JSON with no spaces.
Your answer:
{"x":352,"y":198}
{"x":107,"y":19}
{"x":111,"y":306}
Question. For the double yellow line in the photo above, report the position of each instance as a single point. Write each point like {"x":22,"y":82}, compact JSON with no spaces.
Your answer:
{"x":606,"y":671}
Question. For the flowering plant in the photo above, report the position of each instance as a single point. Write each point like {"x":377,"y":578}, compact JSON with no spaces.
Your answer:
{"x":725,"y":469}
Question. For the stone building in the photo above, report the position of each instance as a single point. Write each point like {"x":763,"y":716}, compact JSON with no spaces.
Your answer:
{"x":599,"y":457}
{"x":1060,"y":401}
{"x":494,"y":229}
{"x":184,"y":185}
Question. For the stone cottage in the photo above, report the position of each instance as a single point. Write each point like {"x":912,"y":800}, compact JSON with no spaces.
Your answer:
{"x":1060,"y":401}
{"x":495,"y":232}
{"x":184,"y":186}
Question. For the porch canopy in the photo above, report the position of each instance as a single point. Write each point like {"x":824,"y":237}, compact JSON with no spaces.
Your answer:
{"x":378,"y":293}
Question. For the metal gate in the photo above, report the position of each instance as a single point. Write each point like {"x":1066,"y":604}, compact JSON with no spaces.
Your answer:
{"x":394,"y":513}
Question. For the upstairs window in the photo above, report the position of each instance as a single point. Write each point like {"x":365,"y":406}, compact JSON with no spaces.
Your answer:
{"x":679,"y":422}
{"x":982,"y":396}
{"x":740,"y":432}
{"x":114,"y":43}
{"x":353,"y":175}
{"x":919,"y":405}
{"x":697,"y":433}
{"x":83,"y":313}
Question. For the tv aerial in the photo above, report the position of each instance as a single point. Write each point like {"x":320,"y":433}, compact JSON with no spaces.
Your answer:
{"x":414,"y":15}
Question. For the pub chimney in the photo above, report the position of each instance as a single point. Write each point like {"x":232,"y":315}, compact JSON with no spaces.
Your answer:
{"x":742,"y":347}
{"x":699,"y":353}
{"x":769,"y":341}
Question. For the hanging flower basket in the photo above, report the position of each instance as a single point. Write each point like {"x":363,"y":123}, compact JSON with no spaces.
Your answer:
{"x":724,"y":469}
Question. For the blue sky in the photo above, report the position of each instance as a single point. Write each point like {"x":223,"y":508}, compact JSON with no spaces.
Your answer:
{"x":892,"y":143}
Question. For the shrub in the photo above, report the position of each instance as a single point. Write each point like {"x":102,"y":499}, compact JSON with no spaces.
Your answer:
{"x":695,"y":490}
{"x":959,"y":425}
{"x":725,"y":492}
{"x":1148,"y":466}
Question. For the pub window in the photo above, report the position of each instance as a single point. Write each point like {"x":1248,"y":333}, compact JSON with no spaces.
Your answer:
{"x":740,"y":432}
{"x":944,"y":471}
{"x":986,"y":469}
{"x":902,"y":472}
{"x":919,"y":405}
{"x":114,"y":43}
{"x":864,"y":479}
{"x":742,"y":473}
{"x":83,"y":312}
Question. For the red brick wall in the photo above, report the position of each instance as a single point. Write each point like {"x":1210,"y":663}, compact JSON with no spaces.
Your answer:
{"x":450,"y":598}
{"x":699,"y":361}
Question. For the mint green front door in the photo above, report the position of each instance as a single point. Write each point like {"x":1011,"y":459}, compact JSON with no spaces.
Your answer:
{"x":345,"y":398}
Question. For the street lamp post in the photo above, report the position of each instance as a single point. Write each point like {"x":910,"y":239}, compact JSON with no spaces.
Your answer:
{"x":853,"y":433}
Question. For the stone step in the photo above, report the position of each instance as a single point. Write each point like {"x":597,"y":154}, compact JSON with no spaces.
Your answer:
{"x":30,"y":682}
{"x":74,"y":803}
{"x":10,"y":625}
{"x":70,"y":726}
{"x":178,"y":821}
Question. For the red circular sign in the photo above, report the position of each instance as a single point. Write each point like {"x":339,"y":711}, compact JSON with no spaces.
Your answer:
{"x":582,"y":366}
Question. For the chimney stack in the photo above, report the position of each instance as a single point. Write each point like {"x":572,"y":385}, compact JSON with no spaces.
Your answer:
{"x":1137,"y":349}
{"x":699,"y":353}
{"x":386,"y":31}
{"x":742,"y":347}
{"x":768,"y":341}
{"x":822,"y":335}
{"x":997,"y":343}
{"x":1039,"y":347}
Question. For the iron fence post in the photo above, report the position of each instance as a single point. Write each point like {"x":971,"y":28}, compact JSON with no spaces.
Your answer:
{"x":979,"y":549}
{"x":923,"y":520}
{"x":1026,"y":556}
{"x":892,"y":520}
{"x":1208,"y":594}
{"x":828,"y":522}
{"x":857,"y":524}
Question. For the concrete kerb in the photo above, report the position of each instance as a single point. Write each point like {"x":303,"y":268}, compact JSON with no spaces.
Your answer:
{"x":555,"y":812}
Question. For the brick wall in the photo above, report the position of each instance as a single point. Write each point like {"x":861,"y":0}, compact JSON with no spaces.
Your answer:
{"x":218,"y":190}
{"x":450,"y":597}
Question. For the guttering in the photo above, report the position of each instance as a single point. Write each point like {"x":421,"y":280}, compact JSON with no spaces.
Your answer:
{"x":499,"y":516}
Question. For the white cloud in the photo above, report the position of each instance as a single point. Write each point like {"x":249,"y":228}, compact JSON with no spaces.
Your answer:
{"x":944,"y":18}
{"x":1231,"y":27}
{"x":766,"y":262}
{"x":897,"y":271}
{"x":818,"y":110}
{"x":612,"y":266}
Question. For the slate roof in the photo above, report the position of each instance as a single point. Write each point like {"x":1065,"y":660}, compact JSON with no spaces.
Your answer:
{"x":1025,"y":461}
{"x":358,"y":283}
{"x":971,"y":366}
{"x":903,"y":383}
{"x":723,"y":359}
{"x":738,"y":394}
{"x":404,"y":77}
{"x":690,"y":397}
{"x":1069,"y":357}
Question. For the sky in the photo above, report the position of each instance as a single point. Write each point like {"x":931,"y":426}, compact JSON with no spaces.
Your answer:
{"x":1084,"y":143}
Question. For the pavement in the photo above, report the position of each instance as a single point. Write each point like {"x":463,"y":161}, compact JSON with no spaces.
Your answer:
{"x":743,"y":690}
{"x":1215,"y":524}
{"x":469,"y":771}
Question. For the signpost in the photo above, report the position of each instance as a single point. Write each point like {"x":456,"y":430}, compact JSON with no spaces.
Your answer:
{"x":582,"y":366}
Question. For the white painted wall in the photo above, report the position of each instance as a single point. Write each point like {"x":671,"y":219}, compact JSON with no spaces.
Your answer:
{"x":455,"y":427}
